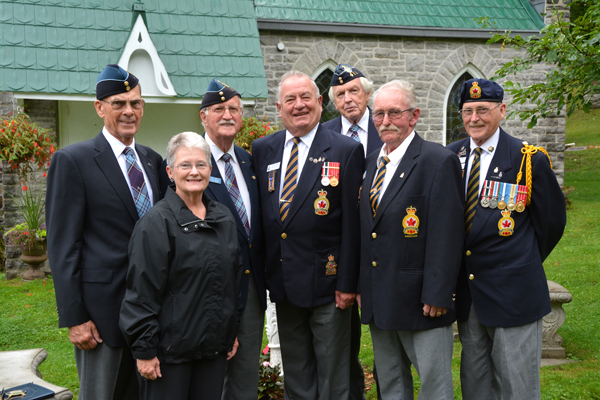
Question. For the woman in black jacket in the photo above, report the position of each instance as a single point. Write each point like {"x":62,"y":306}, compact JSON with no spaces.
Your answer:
{"x":181,"y":308}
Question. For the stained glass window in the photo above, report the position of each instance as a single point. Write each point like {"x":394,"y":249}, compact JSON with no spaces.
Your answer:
{"x":323,"y":81}
{"x":455,"y":129}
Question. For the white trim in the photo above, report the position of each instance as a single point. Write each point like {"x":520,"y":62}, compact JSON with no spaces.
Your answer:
{"x":140,"y":41}
{"x":475,"y":73}
{"x":79,"y":97}
{"x":328,"y":64}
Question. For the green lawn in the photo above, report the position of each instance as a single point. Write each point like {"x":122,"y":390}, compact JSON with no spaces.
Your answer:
{"x":28,"y":311}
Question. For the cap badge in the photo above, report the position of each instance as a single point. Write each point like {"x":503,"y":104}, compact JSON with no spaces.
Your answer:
{"x":475,"y":90}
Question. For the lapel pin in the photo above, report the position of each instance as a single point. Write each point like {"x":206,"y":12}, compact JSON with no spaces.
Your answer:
{"x":402,"y":175}
{"x":491,"y":148}
{"x":496,"y":170}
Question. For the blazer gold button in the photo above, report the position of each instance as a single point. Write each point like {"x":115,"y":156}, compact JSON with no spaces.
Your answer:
{"x":374,"y":235}
{"x":468,"y":253}
{"x":250,"y":246}
{"x":471,"y":277}
{"x":253,"y":177}
{"x":284,"y":235}
{"x":247,"y":272}
{"x":374,"y":263}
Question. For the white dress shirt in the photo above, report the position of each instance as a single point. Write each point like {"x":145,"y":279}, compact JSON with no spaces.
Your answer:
{"x":390,"y":168}
{"x":487,"y":153}
{"x":217,"y":153}
{"x":117,"y":148}
{"x":303,"y":147}
{"x":363,"y":130}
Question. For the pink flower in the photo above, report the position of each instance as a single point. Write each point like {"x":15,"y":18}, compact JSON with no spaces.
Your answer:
{"x":266,"y":364}
{"x":266,"y":349}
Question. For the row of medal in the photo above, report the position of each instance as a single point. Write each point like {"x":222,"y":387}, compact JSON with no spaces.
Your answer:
{"x":330,"y":174}
{"x":504,"y":195}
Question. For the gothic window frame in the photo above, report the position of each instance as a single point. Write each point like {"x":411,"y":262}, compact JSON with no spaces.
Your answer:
{"x":327,"y":65}
{"x":475,"y":73}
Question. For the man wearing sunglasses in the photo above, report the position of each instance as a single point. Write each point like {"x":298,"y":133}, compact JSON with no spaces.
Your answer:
{"x":411,"y":237}
{"x":97,"y":190}
{"x":502,"y":293}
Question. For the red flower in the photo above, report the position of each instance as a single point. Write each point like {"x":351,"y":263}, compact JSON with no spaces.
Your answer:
{"x":24,"y":187}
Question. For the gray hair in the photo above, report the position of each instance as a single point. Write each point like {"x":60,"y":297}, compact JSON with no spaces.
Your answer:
{"x":367,"y":87}
{"x":295,"y":74}
{"x":406,"y":88}
{"x":188,"y":140}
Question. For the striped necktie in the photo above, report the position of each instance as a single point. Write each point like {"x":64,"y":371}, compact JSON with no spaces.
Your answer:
{"x":137,"y":182}
{"x":234,"y":192}
{"x":289,"y":184}
{"x":376,"y":188}
{"x":472,"y":191}
{"x":354,"y":130}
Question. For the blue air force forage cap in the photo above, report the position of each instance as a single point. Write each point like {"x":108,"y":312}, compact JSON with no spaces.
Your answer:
{"x":217,"y":93}
{"x":344,"y":74}
{"x":480,"y":90}
{"x":114,"y":80}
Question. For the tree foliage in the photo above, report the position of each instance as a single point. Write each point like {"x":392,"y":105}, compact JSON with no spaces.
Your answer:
{"x":573,"y":49}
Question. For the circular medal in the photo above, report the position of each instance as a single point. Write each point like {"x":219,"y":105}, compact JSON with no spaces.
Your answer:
{"x":334,"y":181}
{"x":502,"y":204}
{"x":520,"y":207}
{"x":485,"y":202}
{"x":325,"y":181}
{"x":493,"y":203}
{"x":511,"y":207}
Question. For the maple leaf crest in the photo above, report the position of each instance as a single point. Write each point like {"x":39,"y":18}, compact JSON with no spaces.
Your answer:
{"x":322,"y":204}
{"x":506,"y":224}
{"x":411,"y":222}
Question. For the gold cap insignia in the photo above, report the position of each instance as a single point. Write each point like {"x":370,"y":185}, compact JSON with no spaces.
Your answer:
{"x":475,"y":90}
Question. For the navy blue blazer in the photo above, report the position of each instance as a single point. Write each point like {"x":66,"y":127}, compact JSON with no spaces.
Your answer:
{"x":251,"y":248}
{"x":508,"y":285}
{"x":374,"y":142}
{"x":299,"y":249}
{"x":400,"y":271}
{"x":90,"y":215}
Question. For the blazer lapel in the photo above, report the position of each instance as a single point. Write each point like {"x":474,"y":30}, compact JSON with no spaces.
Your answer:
{"x":404,"y":169}
{"x":274,"y":157}
{"x":250,"y":178}
{"x":310,"y":172}
{"x":110,"y":168}
{"x":500,"y":160}
{"x":371,"y":170}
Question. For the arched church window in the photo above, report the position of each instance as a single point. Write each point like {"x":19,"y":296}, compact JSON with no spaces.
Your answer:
{"x":323,"y":81}
{"x":455,"y":129}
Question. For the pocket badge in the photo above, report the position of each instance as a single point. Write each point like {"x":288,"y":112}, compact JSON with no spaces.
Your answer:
{"x":322,"y":204}
{"x":331,"y":267}
{"x":410,"y":223}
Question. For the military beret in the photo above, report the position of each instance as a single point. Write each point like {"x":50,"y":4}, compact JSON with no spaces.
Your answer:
{"x":114,"y":80}
{"x":480,"y":90}
{"x":344,"y":74}
{"x":217,"y":93}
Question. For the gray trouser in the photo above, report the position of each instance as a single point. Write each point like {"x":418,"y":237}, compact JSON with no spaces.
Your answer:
{"x":500,"y":363}
{"x":315,"y":348}
{"x":430,"y":351}
{"x":106,"y":373}
{"x":241,"y":380}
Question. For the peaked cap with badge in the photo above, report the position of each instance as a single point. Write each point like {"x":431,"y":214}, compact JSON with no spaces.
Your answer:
{"x":217,"y":93}
{"x":343,"y":74}
{"x":477,"y":89}
{"x":114,"y":80}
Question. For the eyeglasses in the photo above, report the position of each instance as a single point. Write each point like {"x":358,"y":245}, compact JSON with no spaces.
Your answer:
{"x":188,"y":166}
{"x":118,"y":105}
{"x":394,"y":115}
{"x":221,"y":110}
{"x":467,"y":113}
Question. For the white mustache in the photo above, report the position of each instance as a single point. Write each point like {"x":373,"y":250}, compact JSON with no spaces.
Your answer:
{"x":226,"y":121}
{"x":390,"y":127}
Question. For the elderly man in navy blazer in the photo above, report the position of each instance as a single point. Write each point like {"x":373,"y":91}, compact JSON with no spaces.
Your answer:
{"x":309,"y":179}
{"x":233,"y":184}
{"x":411,"y":240}
{"x":350,"y":91}
{"x":514,"y":216}
{"x":97,"y":190}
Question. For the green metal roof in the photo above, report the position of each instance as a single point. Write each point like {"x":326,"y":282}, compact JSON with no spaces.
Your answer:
{"x":451,"y":14}
{"x":60,"y":46}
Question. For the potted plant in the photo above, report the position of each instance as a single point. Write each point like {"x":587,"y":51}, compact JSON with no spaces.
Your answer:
{"x":30,"y":236}
{"x":24,"y":145}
